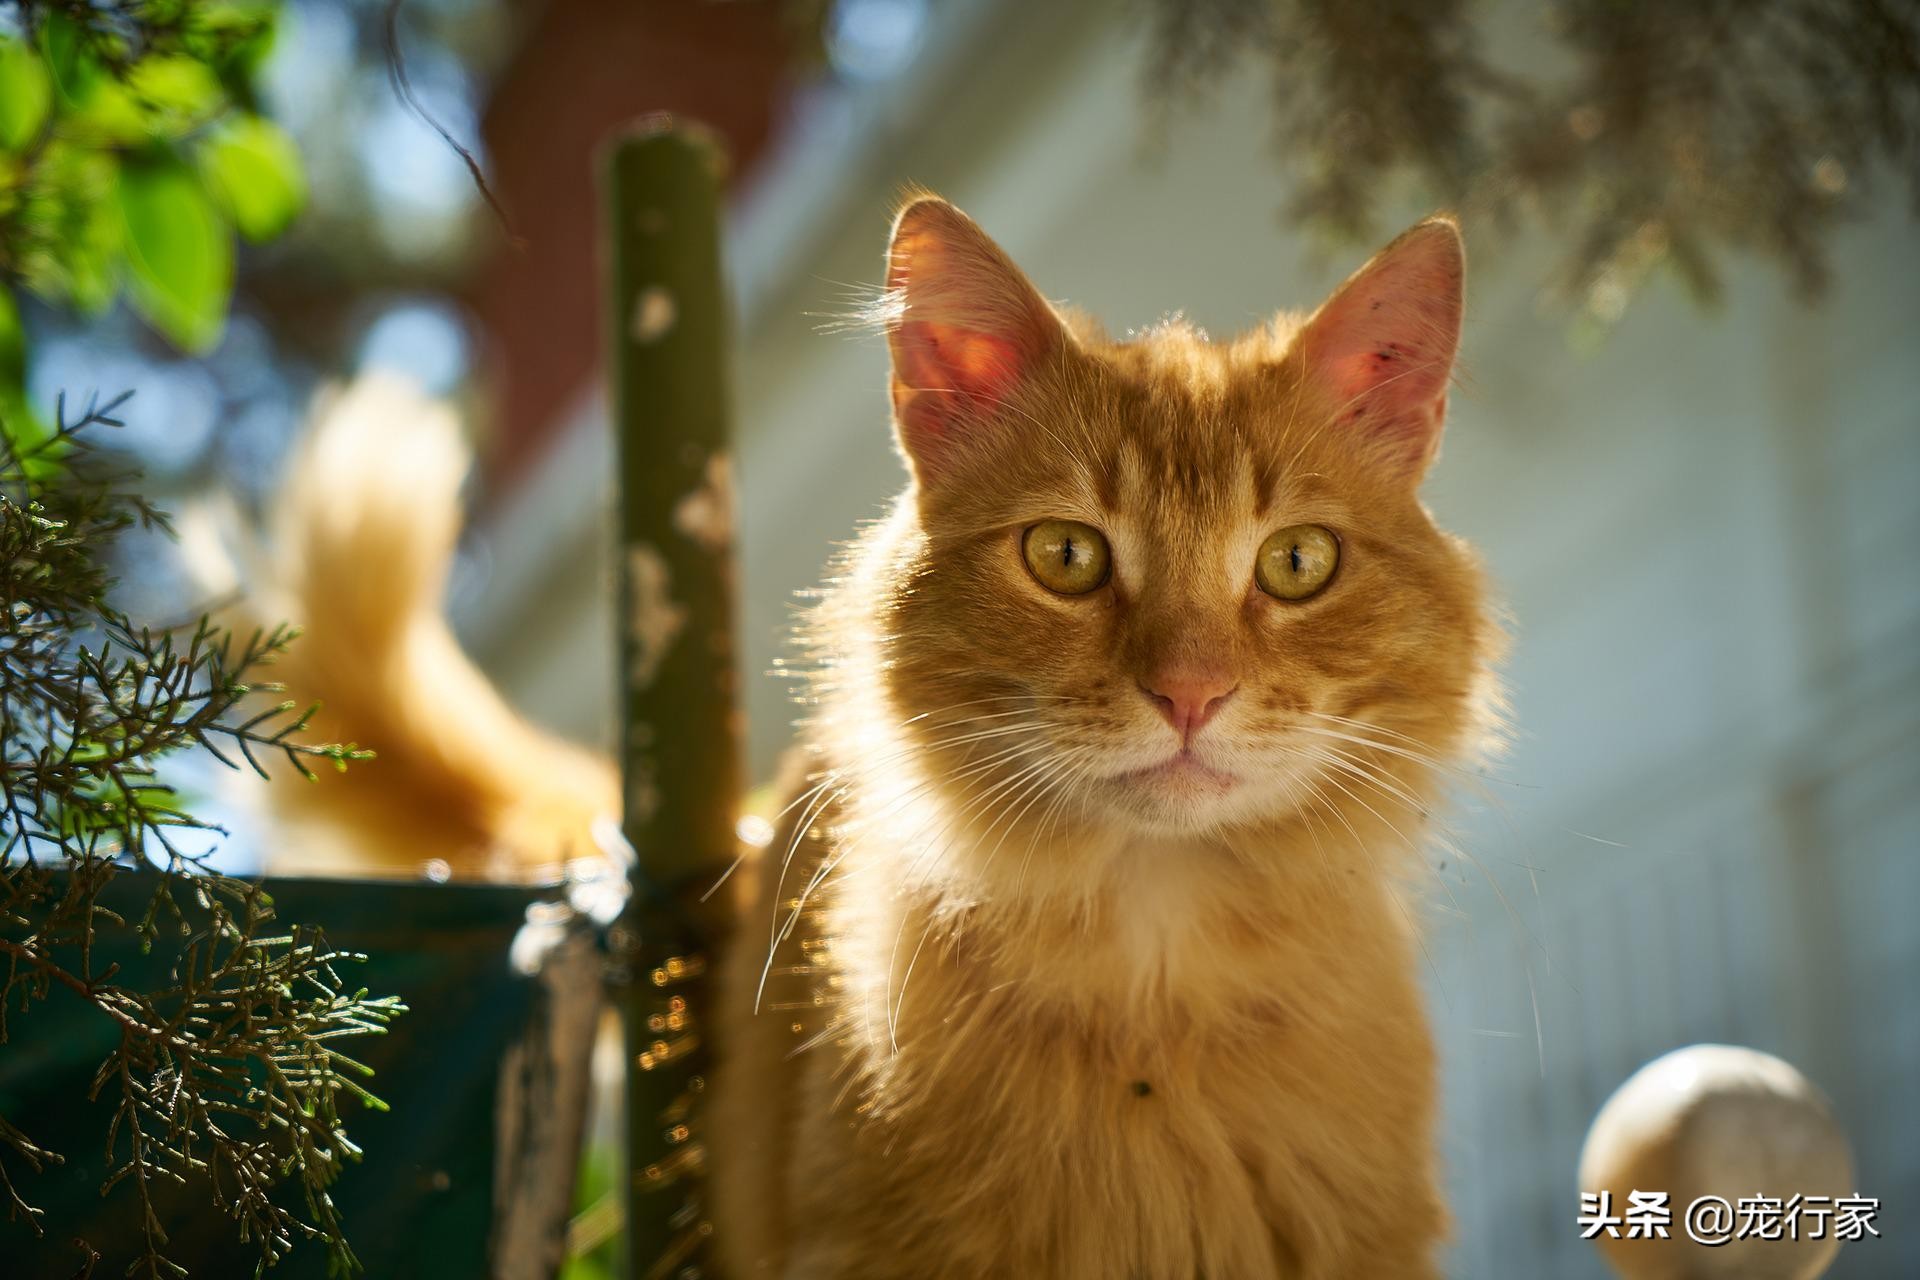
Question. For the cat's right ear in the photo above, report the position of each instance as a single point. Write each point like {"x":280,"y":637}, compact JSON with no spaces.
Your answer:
{"x":964,"y":327}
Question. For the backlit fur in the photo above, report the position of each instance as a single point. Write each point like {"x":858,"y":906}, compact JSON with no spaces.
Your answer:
{"x":365,"y":529}
{"x":1004,"y":1001}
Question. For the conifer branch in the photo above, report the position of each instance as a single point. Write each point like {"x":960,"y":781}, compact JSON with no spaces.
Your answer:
{"x":227,"y":1074}
{"x":1678,"y":133}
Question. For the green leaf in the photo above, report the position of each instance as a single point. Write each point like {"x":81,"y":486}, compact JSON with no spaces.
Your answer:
{"x":19,"y":424}
{"x":179,"y":93}
{"x":109,"y":115}
{"x":63,"y":43}
{"x":26,"y":93}
{"x":93,"y":104}
{"x":13,"y":341}
{"x":254,"y":168}
{"x":179,"y":256}
{"x":235,"y":37}
{"x":73,"y":248}
{"x":25,"y":430}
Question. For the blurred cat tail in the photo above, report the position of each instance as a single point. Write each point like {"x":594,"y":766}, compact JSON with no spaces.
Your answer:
{"x":363,"y":536}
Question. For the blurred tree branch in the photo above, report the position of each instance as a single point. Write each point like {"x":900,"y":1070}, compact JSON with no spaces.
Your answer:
{"x":1678,"y":132}
{"x":132,"y":154}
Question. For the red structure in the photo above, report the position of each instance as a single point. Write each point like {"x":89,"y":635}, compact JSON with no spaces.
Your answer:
{"x":582,"y":70}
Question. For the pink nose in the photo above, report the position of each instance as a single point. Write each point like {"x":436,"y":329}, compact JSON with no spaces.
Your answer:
{"x":1188,"y":699}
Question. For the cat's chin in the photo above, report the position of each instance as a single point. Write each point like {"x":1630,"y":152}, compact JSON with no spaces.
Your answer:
{"x":1181,"y":794}
{"x":1182,"y":774}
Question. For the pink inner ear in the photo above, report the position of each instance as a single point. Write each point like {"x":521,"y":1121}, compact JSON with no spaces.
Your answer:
{"x":947,"y":359}
{"x":1361,"y":373}
{"x":1391,"y":382}
{"x":1371,"y":353}
{"x":1383,"y":346}
{"x":943,"y":372}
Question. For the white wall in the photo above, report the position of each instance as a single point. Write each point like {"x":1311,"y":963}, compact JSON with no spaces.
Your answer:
{"x":1706,"y":530}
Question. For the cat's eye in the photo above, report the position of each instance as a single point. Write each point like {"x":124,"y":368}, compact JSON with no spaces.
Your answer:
{"x":1296,"y":562}
{"x":1067,"y":556}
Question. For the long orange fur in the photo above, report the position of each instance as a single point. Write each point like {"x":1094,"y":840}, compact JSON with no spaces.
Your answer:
{"x":364,"y":536}
{"x":995,"y":1009}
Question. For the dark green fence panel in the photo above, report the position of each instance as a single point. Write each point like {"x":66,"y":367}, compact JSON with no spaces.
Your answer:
{"x":422,"y":1204}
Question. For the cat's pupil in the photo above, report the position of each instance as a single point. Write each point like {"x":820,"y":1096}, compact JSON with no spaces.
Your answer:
{"x":1066,"y":553}
{"x":1293,"y":554}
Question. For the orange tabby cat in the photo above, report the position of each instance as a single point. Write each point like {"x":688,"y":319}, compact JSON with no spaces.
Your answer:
{"x":1087,"y":958}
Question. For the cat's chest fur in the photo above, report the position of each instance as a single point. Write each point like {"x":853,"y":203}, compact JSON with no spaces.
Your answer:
{"x":1139,"y":1088}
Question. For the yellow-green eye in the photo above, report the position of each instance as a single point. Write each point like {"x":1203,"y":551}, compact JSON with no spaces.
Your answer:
{"x":1296,"y":562}
{"x":1067,"y":556}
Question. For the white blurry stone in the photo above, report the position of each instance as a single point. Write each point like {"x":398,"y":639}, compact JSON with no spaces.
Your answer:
{"x":1717,"y":1120}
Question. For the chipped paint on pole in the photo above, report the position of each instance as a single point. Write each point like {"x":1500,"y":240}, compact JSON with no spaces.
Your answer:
{"x":679,"y":750}
{"x":654,"y":618}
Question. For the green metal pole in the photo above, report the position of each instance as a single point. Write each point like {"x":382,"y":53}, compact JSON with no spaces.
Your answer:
{"x":679,"y":747}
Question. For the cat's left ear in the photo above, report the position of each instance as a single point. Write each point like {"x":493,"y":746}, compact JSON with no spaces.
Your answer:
{"x":1382,"y":347}
{"x":965,"y":327}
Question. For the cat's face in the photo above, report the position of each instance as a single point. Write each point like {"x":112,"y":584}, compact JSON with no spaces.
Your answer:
{"x":1174,"y":585}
